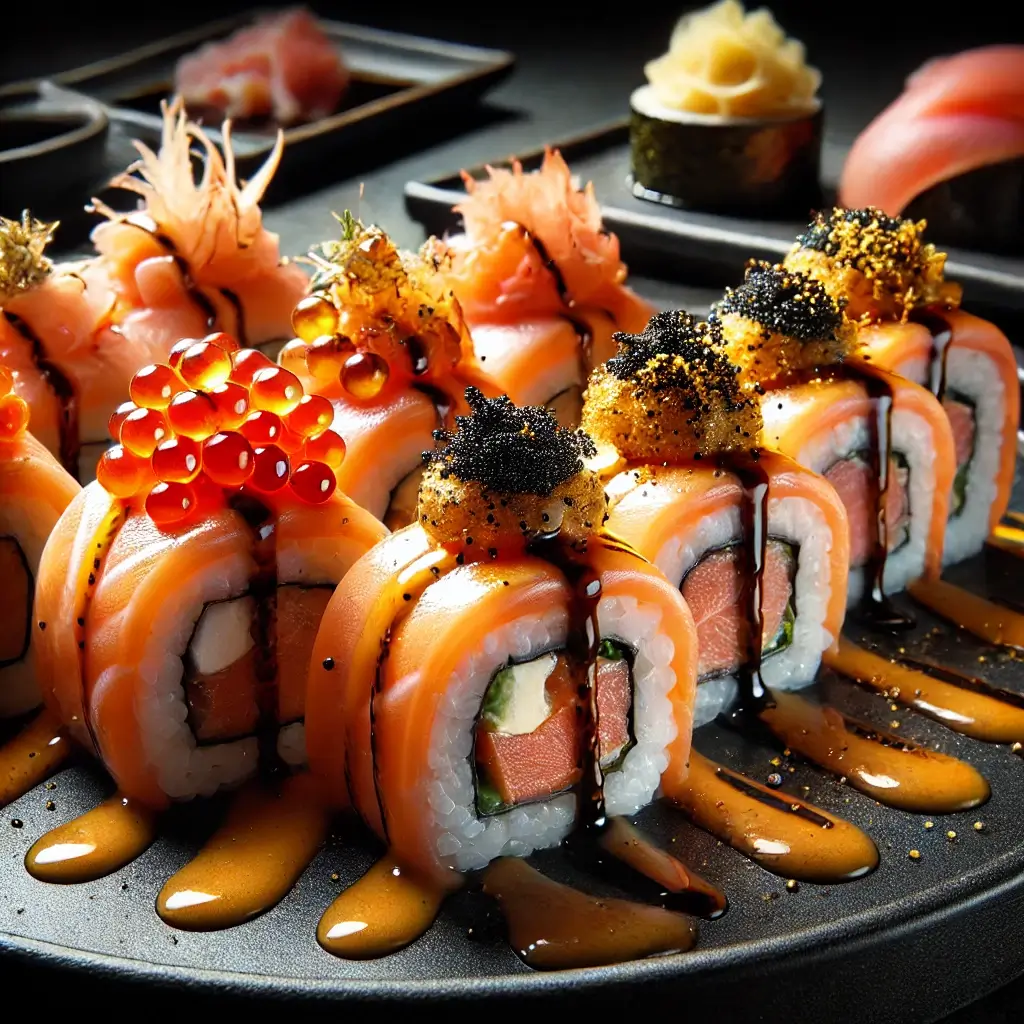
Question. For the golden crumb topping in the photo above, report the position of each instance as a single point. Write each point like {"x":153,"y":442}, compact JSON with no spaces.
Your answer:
{"x":23,"y":260}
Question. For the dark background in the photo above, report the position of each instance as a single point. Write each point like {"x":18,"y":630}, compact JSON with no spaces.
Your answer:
{"x":576,"y":65}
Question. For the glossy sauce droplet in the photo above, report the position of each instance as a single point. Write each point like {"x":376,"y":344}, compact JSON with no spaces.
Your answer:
{"x":246,"y":363}
{"x":14,"y":415}
{"x":93,"y":845}
{"x":154,"y":386}
{"x":275,"y":389}
{"x":34,"y":754}
{"x":170,"y":503}
{"x":271,"y":468}
{"x":328,"y":447}
{"x":204,"y":365}
{"x":364,"y":375}
{"x":178,"y":460}
{"x":251,"y":861}
{"x":121,"y":472}
{"x":314,"y":482}
{"x":786,"y":835}
{"x":232,"y":403}
{"x":313,"y":415}
{"x":554,"y":927}
{"x":327,"y":355}
{"x":313,"y":316}
{"x":193,"y":414}
{"x":228,"y":459}
{"x":386,"y":910}
{"x":143,"y":430}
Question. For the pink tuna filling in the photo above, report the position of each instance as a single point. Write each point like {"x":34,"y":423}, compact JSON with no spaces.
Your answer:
{"x":857,"y":488}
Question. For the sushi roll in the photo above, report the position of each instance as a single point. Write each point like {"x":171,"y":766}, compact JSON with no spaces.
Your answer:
{"x":950,"y":149}
{"x":541,"y":283}
{"x":178,"y":597}
{"x":501,"y":667}
{"x":910,"y":322}
{"x":194,"y":257}
{"x":384,"y":340}
{"x":718,"y":516}
{"x":729,"y":120}
{"x":55,"y":338}
{"x":34,"y":491}
{"x":882,"y":441}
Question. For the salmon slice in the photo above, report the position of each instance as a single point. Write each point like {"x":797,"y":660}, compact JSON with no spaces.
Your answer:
{"x":15,"y":601}
{"x":857,"y":487}
{"x":713,"y":589}
{"x":299,"y":611}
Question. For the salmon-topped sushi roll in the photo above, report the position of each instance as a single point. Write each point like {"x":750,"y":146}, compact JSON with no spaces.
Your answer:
{"x":56,"y":339}
{"x":34,"y":491}
{"x":882,"y":441}
{"x":195,"y":256}
{"x":179,"y":595}
{"x":383,"y":338}
{"x":910,"y":322}
{"x":746,"y":535}
{"x":502,"y":667}
{"x":541,"y":283}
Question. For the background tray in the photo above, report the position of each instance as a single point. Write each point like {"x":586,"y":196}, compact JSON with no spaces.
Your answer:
{"x":395,"y":77}
{"x":702,"y":248}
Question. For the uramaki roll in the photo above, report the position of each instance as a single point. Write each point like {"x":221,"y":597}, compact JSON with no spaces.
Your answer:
{"x":179,"y":616}
{"x":869,"y":432}
{"x":910,"y":322}
{"x":34,"y":491}
{"x":457,"y":666}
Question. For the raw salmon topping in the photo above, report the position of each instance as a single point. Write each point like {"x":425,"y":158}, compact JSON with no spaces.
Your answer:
{"x":533,"y":242}
{"x":670,"y":391}
{"x":857,"y":487}
{"x":216,"y":420}
{"x":283,"y":67}
{"x":880,"y":264}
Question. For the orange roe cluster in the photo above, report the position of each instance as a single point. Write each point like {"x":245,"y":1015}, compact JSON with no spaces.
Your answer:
{"x":14,"y":411}
{"x":216,"y":419}
{"x":376,"y":315}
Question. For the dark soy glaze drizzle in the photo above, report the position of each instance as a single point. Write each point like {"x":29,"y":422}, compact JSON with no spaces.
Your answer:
{"x":27,"y":639}
{"x":64,"y":391}
{"x":375,"y":690}
{"x":942,"y":341}
{"x":747,"y":788}
{"x":965,"y":682}
{"x":263,"y":587}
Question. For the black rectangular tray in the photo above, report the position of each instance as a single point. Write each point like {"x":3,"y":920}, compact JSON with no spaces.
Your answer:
{"x":697,"y":247}
{"x":396,"y":78}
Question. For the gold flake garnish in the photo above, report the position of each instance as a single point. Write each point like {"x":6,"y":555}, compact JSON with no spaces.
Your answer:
{"x":23,"y":260}
{"x":914,"y":854}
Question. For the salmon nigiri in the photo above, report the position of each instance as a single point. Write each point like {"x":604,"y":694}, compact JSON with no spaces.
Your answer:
{"x":541,"y":283}
{"x":56,"y":338}
{"x":195,"y":257}
{"x":34,"y":491}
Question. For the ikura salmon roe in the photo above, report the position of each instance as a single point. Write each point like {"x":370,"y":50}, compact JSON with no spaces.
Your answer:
{"x":312,"y":415}
{"x":228,"y":459}
{"x":262,"y":428}
{"x":328,"y":447}
{"x":271,"y":468}
{"x":177,"y":461}
{"x":327,"y":355}
{"x":222,"y":340}
{"x":290,"y":441}
{"x":121,"y":472}
{"x":364,"y":375}
{"x":177,"y":353}
{"x":170,"y":503}
{"x":6,"y":381}
{"x":275,"y":389}
{"x":117,"y":417}
{"x":194,"y":414}
{"x":154,"y":386}
{"x":293,"y":356}
{"x":232,"y":402}
{"x":314,"y":482}
{"x":204,"y":365}
{"x":14,"y":415}
{"x":313,"y":316}
{"x":245,"y":363}
{"x":142,"y":430}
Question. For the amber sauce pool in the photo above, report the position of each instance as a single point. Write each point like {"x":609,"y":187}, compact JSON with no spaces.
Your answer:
{"x":33,"y":755}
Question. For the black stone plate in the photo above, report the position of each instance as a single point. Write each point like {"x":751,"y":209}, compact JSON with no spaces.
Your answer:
{"x":911,"y":942}
{"x":704,"y":248}
{"x":397,"y":80}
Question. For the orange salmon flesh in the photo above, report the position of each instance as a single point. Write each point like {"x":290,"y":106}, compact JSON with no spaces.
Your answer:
{"x":535,"y":765}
